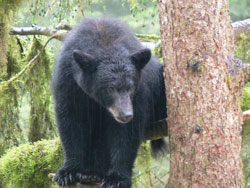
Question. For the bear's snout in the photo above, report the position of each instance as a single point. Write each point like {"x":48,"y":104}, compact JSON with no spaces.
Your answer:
{"x":126,"y":117}
{"x":122,"y":108}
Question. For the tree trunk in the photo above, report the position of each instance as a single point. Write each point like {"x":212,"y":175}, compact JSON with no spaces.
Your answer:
{"x":203,"y":92}
{"x":9,"y":111}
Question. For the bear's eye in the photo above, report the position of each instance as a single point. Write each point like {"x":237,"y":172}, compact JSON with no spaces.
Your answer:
{"x":111,"y":89}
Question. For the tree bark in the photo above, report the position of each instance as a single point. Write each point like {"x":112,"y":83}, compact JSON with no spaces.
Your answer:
{"x":203,"y":94}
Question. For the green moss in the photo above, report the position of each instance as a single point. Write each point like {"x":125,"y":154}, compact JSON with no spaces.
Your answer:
{"x":143,"y":164}
{"x":10,"y":131}
{"x":245,"y":154}
{"x":148,"y":37}
{"x":242,"y":51}
{"x":37,"y":81}
{"x":29,"y":165}
{"x":245,"y":104}
{"x":14,"y":57}
{"x":9,"y":100}
{"x":157,"y":51}
{"x":7,"y":10}
{"x":229,"y":81}
{"x":242,"y":48}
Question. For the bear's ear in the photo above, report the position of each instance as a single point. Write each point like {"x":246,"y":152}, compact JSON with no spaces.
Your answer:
{"x":141,"y":58}
{"x":85,"y":61}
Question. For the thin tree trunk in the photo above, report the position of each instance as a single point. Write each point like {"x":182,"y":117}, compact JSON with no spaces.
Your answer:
{"x":203,"y":92}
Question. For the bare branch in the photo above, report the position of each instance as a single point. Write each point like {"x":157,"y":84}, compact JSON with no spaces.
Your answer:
{"x":236,"y":67}
{"x":61,"y":30}
{"x":63,"y":27}
{"x":246,"y":116}
{"x":241,"y":27}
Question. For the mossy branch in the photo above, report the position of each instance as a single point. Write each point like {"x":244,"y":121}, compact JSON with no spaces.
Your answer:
{"x":28,"y":66}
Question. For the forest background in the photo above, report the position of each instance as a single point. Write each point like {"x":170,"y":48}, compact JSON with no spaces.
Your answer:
{"x":26,"y":106}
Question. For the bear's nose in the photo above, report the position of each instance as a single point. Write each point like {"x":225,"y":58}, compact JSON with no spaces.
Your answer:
{"x":126,"y":117}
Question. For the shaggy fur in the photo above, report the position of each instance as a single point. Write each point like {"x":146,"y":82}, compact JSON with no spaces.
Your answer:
{"x":97,"y":147}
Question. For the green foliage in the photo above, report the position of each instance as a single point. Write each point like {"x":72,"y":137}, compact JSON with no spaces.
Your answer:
{"x":245,"y":105}
{"x":239,"y":9}
{"x":37,"y":83}
{"x":143,"y":164}
{"x":139,"y":6}
{"x":7,"y":12}
{"x":242,"y":48}
{"x":29,"y":165}
{"x":60,"y":9}
{"x":245,"y":154}
{"x":46,"y":13}
{"x":242,"y":51}
{"x":148,"y":37}
{"x":9,"y":100}
{"x":9,"y":65}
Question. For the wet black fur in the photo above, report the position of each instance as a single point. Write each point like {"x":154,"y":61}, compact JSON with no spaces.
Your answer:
{"x":96,"y":146}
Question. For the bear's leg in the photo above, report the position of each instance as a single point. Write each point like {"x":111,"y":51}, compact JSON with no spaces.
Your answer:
{"x":123,"y":154}
{"x":75,"y":143}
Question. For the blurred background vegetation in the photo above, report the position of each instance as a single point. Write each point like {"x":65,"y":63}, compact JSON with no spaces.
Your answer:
{"x":26,"y":104}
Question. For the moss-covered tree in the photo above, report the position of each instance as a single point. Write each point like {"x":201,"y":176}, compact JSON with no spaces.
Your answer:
{"x":37,"y":83}
{"x":9,"y":65}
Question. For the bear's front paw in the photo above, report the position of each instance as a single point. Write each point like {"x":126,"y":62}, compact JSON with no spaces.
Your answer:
{"x":116,"y":180}
{"x":65,"y":177}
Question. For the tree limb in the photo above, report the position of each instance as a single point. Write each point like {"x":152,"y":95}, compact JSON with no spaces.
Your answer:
{"x":236,"y":67}
{"x":246,"y":116}
{"x":241,"y":27}
{"x":61,"y":30}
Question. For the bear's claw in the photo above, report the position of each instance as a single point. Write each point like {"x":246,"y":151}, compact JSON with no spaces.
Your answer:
{"x":65,"y":178}
{"x":88,"y":178}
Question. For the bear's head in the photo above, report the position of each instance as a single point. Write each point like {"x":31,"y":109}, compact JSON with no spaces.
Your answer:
{"x":112,"y":80}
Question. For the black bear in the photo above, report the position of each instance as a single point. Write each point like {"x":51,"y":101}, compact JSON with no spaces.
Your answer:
{"x":108,"y":90}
